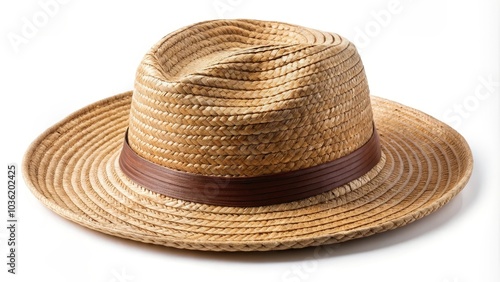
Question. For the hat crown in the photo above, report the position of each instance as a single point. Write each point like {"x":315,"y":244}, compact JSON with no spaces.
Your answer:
{"x":248,"y":98}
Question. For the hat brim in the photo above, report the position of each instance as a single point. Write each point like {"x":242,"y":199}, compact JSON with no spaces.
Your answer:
{"x":73,"y":169}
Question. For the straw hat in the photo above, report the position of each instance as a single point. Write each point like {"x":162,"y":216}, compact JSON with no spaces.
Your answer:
{"x":244,"y":135}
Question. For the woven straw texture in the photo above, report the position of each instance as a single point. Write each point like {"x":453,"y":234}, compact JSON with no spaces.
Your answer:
{"x":276,"y":98}
{"x":246,"y":98}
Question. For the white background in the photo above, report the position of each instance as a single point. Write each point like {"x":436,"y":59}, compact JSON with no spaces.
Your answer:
{"x":431,"y":55}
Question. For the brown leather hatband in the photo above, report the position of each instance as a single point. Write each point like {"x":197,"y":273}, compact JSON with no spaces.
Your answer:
{"x":250,"y":191}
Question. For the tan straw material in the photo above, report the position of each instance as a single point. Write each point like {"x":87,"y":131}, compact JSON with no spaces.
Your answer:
{"x":243,"y":98}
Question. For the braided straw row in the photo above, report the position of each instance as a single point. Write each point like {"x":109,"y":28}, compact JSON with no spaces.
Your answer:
{"x":247,"y":98}
{"x":73,"y":169}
